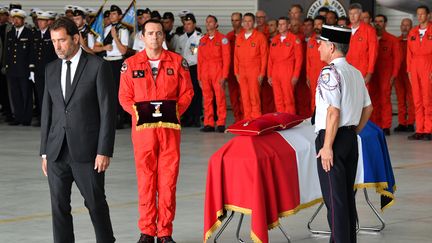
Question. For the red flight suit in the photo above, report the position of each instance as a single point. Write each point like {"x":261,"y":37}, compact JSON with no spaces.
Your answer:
{"x":250,"y":62}
{"x":363,"y":49}
{"x":233,"y":85}
{"x":387,"y":66}
{"x":285,"y":62}
{"x":301,"y":91}
{"x":265,"y":31}
{"x":406,"y":114}
{"x":156,"y":147}
{"x":213,"y":66}
{"x":419,"y":66}
{"x":313,"y":66}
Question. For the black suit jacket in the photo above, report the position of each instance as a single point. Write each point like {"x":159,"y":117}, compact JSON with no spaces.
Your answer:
{"x":86,"y":119}
{"x":20,"y":53}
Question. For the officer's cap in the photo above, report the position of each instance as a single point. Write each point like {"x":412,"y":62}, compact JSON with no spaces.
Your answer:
{"x":91,"y":11}
{"x":147,"y":11}
{"x":106,"y":14}
{"x":52,"y":14}
{"x":43,"y":15}
{"x":79,"y":11}
{"x":69,"y":8}
{"x":336,"y":34}
{"x":115,"y":8}
{"x":13,"y":6}
{"x":139,"y":12}
{"x":18,"y":13}
{"x":183,"y":13}
{"x":155,"y":14}
{"x":168,"y":15}
{"x":3,"y":10}
{"x":190,"y":16}
{"x":34,"y":11}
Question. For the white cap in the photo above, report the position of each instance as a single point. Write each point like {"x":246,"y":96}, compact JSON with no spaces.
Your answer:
{"x":183,"y":13}
{"x":3,"y":9}
{"x":80,"y":9}
{"x":43,"y":15}
{"x":69,"y":8}
{"x":18,"y":13}
{"x":91,"y":11}
{"x":52,"y":14}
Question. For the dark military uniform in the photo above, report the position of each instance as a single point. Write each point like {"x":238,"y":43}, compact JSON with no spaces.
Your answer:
{"x":19,"y":64}
{"x":4,"y":92}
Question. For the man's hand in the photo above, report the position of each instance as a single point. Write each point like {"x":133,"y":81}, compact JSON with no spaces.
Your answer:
{"x":294,"y":81}
{"x":269,"y":80}
{"x":108,"y":47}
{"x":101,"y":163}
{"x":367,"y":78}
{"x":32,"y":77}
{"x":44,"y":167}
{"x":308,"y":82}
{"x":260,"y":79}
{"x":326,"y":155}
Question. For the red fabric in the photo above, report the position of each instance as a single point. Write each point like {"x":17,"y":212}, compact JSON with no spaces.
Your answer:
{"x":254,"y":127}
{"x":285,"y":62}
{"x":233,"y":85}
{"x":386,"y":67}
{"x":419,"y":65}
{"x":250,"y":62}
{"x":403,"y":90}
{"x":267,"y":98}
{"x":285,"y":120}
{"x":155,"y":144}
{"x":213,"y":66}
{"x":235,"y":178}
{"x":363,"y":50}
{"x":313,"y":66}
{"x":265,"y":31}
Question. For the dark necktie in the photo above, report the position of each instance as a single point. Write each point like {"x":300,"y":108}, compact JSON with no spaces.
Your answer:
{"x":17,"y":34}
{"x":68,"y":85}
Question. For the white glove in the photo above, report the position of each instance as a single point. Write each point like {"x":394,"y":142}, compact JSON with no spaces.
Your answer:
{"x":32,"y":78}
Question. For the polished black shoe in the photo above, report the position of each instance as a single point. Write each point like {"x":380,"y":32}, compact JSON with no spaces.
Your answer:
{"x":165,"y":239}
{"x":400,"y":128}
{"x":416,"y":136}
{"x":386,"y":131}
{"x":146,"y":239}
{"x":220,"y":129}
{"x":410,"y":128}
{"x":13,"y":123}
{"x":427,"y":137}
{"x":207,"y":129}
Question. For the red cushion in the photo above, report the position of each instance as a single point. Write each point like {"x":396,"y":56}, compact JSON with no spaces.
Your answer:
{"x":253,"y":127}
{"x":285,"y":120}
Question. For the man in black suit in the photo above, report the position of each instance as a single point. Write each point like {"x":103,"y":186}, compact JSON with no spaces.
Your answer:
{"x":77,"y":131}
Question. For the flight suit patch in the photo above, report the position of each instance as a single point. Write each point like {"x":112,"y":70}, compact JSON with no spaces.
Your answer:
{"x":123,"y":68}
{"x":170,"y":71}
{"x":429,"y":37}
{"x":217,"y":44}
{"x":298,"y":41}
{"x":253,"y":44}
{"x":288,"y":44}
{"x":273,"y":44}
{"x":185,"y":65}
{"x":224,"y":41}
{"x":138,"y":74}
{"x":311,"y":46}
{"x":360,"y":39}
{"x":413,"y":38}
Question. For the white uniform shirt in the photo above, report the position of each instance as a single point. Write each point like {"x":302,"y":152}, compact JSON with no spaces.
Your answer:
{"x":341,"y":86}
{"x":187,"y":47}
{"x":123,"y":34}
{"x":139,"y":45}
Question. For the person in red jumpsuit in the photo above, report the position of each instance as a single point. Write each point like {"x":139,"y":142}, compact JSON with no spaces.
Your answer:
{"x":250,"y":63}
{"x":156,"y":89}
{"x":406,"y":115}
{"x":213,"y":68}
{"x":419,"y":68}
{"x":233,"y":85}
{"x":386,"y":71}
{"x":284,"y":66}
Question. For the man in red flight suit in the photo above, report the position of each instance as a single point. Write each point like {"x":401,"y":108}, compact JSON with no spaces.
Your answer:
{"x":156,"y":89}
{"x":386,"y":71}
{"x":363,"y":49}
{"x":419,"y":68}
{"x":284,"y":66}
{"x":313,"y":61}
{"x":213,"y":68}
{"x":250,"y":62}
{"x":406,"y":113}
{"x":233,"y":85}
{"x":261,"y":23}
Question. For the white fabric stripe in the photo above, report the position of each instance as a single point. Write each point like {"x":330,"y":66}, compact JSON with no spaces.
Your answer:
{"x":301,"y":138}
{"x":360,"y":168}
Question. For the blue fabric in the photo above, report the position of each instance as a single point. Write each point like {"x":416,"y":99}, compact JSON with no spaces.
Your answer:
{"x":97,"y":26}
{"x":129,"y":17}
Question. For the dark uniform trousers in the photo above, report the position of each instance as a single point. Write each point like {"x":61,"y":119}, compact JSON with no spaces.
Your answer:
{"x":337,"y":186}
{"x":116,"y":68}
{"x":21,"y":90}
{"x":61,"y":174}
{"x":194,"y":112}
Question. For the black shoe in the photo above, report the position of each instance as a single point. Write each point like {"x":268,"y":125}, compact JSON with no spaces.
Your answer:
{"x":416,"y":136}
{"x":165,"y":239}
{"x":386,"y":131}
{"x":13,"y":123}
{"x":36,"y":124}
{"x":146,"y":239}
{"x":400,"y":128}
{"x":410,"y":128}
{"x":220,"y":129}
{"x":207,"y":129}
{"x":427,"y":136}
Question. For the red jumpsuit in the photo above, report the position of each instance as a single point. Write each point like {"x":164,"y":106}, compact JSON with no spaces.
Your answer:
{"x":419,"y":66}
{"x":250,"y":62}
{"x":301,"y":91}
{"x":157,"y":147}
{"x":313,"y":66}
{"x":387,"y":66}
{"x":284,"y":63}
{"x":363,"y":49}
{"x":233,"y":85}
{"x":403,"y":90}
{"x":213,"y":66}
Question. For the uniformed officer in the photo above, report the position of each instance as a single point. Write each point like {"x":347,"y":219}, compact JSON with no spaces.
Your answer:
{"x":343,"y":107}
{"x":168,"y":23}
{"x":5,"y":26}
{"x":69,"y":11}
{"x":20,"y":68}
{"x":115,"y":43}
{"x":107,"y":20}
{"x":87,"y":38}
{"x":187,"y":46}
{"x":91,"y":15}
{"x":45,"y":53}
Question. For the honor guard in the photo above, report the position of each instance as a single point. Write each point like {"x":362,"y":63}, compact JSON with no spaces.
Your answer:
{"x":87,"y":38}
{"x":168,"y":23}
{"x":5,"y":26}
{"x":20,"y":68}
{"x":343,"y":107}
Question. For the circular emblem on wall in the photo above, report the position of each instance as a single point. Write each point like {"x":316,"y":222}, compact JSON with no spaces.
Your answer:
{"x":332,"y":5}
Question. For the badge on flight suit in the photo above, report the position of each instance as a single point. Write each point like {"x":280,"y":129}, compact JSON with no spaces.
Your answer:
{"x":170,"y":71}
{"x":123,"y":68}
{"x":253,"y":44}
{"x":138,"y":74}
{"x":360,"y":39}
{"x":157,"y":106}
{"x":288,"y":44}
{"x":429,"y":37}
{"x":273,"y":44}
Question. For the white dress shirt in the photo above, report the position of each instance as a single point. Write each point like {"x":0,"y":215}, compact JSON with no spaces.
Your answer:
{"x":123,"y":34}
{"x":75,"y":60}
{"x":19,"y":29}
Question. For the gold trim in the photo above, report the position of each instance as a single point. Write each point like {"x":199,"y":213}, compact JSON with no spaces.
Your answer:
{"x":214,"y":227}
{"x":254,"y":132}
{"x":158,"y":125}
{"x":246,"y":211}
{"x":380,"y":187}
{"x":255,"y":238}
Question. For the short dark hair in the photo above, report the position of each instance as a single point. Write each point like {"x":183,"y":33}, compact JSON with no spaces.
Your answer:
{"x":319,"y":17}
{"x":344,"y":18}
{"x":284,"y":18}
{"x":249,"y":15}
{"x":323,"y":9}
{"x":308,"y":20}
{"x":355,"y":6}
{"x":297,"y":6}
{"x":333,"y":12}
{"x":213,"y":17}
{"x":423,"y":7}
{"x":382,"y":16}
{"x":237,"y":13}
{"x":152,"y":21}
{"x":67,"y":24}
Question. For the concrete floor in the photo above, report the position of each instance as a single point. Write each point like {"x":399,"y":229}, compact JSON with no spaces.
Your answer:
{"x":25,"y":207}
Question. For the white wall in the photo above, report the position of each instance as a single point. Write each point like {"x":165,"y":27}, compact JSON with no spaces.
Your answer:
{"x":394,"y":18}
